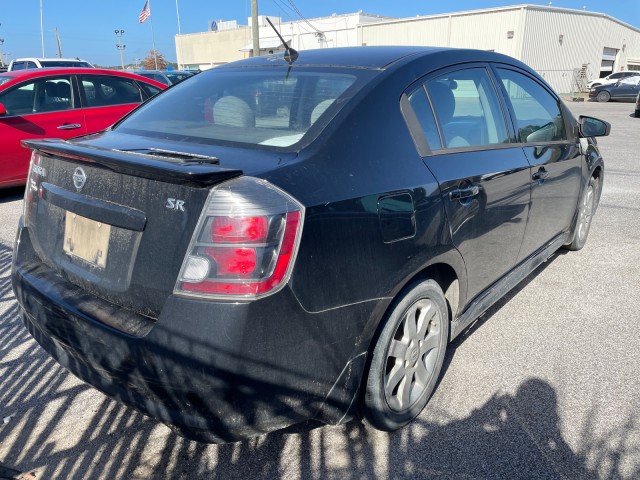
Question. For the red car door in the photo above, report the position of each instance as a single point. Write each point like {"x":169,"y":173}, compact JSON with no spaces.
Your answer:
{"x":39,"y":108}
{"x":107,"y":99}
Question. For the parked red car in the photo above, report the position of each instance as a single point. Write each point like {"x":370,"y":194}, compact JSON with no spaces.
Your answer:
{"x":61,"y":103}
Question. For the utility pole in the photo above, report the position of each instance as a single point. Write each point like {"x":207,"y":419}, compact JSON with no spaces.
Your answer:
{"x":255,"y":31}
{"x":58,"y":42}
{"x":120,"y":46}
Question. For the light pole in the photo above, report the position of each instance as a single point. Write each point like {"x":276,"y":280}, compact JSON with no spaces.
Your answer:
{"x":120,"y":46}
{"x":1,"y":59}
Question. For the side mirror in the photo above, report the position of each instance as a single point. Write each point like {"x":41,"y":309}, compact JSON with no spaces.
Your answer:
{"x":593,"y":127}
{"x":3,"y":110}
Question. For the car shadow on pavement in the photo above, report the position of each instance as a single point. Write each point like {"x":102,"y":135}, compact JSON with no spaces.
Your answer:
{"x":58,"y":427}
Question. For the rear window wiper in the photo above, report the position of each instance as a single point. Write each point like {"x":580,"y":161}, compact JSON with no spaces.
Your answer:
{"x":181,"y":157}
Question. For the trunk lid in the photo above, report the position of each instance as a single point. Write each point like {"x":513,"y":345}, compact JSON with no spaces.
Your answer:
{"x":116,"y":223}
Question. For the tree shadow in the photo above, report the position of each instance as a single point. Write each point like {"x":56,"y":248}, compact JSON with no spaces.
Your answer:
{"x":60,"y":427}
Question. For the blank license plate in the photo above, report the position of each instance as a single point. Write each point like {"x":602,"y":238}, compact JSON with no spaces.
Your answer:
{"x":86,"y":239}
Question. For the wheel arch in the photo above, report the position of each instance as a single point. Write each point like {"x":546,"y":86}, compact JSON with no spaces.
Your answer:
{"x":448,"y":271}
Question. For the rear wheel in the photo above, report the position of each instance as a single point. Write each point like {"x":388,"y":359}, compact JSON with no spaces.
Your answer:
{"x":603,"y":96}
{"x":587,"y":208}
{"x":407,"y":357}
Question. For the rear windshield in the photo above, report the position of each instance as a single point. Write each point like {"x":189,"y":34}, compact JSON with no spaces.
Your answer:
{"x":63,"y":63}
{"x":269,"y":106}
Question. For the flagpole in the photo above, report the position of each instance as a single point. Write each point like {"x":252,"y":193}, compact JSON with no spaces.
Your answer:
{"x":178,"y":14}
{"x":153,"y":38}
{"x":178,"y":40}
{"x":41,"y":28}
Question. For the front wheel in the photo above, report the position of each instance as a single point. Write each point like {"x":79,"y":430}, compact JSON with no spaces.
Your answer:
{"x":586,"y":210}
{"x":407,"y":357}
{"x":603,"y":96}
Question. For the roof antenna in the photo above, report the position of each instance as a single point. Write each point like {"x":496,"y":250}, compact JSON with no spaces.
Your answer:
{"x":290,"y":55}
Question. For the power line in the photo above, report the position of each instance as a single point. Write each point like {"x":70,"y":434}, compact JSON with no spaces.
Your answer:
{"x":283,"y":5}
{"x":299,"y":13}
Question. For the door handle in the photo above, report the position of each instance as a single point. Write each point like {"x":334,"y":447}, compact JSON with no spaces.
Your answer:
{"x":69,"y":126}
{"x":540,"y":175}
{"x":462,"y":193}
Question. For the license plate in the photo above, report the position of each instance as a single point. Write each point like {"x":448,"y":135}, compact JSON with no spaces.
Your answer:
{"x":86,"y":239}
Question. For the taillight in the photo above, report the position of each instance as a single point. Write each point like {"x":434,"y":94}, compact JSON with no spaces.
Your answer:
{"x":245,"y":243}
{"x":36,"y":171}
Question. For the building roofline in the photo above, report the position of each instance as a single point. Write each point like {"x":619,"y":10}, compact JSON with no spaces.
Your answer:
{"x":524,"y":6}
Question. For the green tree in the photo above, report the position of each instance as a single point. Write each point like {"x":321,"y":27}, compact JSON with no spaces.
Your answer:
{"x":149,"y":62}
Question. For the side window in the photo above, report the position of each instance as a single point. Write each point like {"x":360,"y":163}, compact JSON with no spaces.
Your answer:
{"x":424,"y":114}
{"x":20,"y":100}
{"x":50,"y":95}
{"x":53,"y":94}
{"x":150,"y":90}
{"x":538,"y":115}
{"x":100,"y":91}
{"x":467,"y":109}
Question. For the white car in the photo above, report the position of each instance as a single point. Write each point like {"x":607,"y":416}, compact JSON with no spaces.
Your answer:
{"x":25,"y":63}
{"x":611,"y":79}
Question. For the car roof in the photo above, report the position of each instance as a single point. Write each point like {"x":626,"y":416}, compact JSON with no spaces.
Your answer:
{"x":45,"y":59}
{"x":375,"y":57}
{"x":19,"y":75}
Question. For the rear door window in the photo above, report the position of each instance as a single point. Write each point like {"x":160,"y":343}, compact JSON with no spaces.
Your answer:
{"x":100,"y":91}
{"x":467,"y":109}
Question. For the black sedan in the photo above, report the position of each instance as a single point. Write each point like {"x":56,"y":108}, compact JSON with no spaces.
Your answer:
{"x":625,"y":90}
{"x":299,"y":236}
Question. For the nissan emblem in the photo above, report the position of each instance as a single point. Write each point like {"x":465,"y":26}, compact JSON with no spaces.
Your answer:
{"x":79,"y":178}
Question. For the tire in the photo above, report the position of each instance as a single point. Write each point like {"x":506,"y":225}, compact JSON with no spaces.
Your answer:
{"x":603,"y":96}
{"x":407,"y":357}
{"x":587,"y":208}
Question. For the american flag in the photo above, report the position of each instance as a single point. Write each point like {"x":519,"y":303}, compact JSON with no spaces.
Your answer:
{"x":145,"y":13}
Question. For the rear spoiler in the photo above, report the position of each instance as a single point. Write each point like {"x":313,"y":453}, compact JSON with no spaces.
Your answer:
{"x":191,"y":173}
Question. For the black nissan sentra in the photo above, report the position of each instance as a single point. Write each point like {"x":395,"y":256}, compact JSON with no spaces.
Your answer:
{"x":298,"y":237}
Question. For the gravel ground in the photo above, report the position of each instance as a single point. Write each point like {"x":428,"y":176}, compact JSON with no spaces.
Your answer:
{"x":545,"y":385}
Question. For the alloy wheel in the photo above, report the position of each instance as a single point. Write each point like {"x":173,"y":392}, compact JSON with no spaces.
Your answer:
{"x":412,"y":356}
{"x":586,"y":211}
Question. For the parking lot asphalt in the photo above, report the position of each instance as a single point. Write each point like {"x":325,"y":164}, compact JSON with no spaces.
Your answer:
{"x":544,"y":385}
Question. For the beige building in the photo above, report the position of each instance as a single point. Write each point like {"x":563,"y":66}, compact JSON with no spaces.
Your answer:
{"x":208,"y":49}
{"x":567,"y":47}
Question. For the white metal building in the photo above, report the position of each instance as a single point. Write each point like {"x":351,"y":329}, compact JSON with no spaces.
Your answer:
{"x":558,"y":43}
{"x":567,"y":47}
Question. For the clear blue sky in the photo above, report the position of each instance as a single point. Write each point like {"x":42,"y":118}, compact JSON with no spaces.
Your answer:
{"x":86,"y":28}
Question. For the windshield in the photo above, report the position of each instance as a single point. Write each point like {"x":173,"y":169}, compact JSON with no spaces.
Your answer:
{"x":63,"y":63}
{"x":269,"y":106}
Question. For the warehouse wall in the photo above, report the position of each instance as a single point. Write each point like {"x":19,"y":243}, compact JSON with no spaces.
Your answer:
{"x":485,"y":30}
{"x":553,"y":41}
{"x":558,"y":41}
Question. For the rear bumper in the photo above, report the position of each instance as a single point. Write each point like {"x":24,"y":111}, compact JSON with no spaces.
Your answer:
{"x":215,"y":372}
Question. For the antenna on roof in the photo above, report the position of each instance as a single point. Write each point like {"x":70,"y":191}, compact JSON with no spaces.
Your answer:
{"x":290,"y":55}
